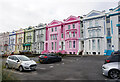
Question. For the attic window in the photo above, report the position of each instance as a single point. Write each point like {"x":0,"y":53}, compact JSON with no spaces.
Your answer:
{"x":52,"y":29}
{"x":68,"y":26}
{"x":73,"y":26}
{"x":55,"y":28}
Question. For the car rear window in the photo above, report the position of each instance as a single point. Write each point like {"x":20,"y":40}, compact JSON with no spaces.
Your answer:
{"x":114,"y":58}
{"x":52,"y":54}
{"x":48,"y":54}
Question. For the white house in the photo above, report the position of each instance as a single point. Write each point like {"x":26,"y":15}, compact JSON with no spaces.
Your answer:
{"x":113,"y":30}
{"x":102,"y":32}
{"x":40,"y":32}
{"x":94,"y":32}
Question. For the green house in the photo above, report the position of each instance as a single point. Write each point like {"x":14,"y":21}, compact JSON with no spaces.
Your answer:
{"x":29,"y":38}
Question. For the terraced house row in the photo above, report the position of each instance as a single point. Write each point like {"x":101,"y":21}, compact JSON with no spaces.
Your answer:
{"x":96,"y":33}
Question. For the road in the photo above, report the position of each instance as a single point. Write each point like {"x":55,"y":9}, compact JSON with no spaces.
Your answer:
{"x":71,"y":68}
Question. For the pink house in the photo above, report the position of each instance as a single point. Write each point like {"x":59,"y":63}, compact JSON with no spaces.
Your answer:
{"x":72,"y":34}
{"x":63,"y":36}
{"x":54,"y":37}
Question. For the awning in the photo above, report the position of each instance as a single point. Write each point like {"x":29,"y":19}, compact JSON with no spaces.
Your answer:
{"x":117,"y":25}
{"x":26,"y":44}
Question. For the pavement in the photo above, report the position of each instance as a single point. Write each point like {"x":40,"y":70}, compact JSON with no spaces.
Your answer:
{"x":70,"y":68}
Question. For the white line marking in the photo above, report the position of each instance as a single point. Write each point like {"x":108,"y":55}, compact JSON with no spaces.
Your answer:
{"x":77,"y":59}
{"x":105,"y":79}
{"x":51,"y":66}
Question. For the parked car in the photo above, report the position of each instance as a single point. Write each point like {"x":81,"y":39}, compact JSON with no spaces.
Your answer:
{"x":49,"y":58}
{"x":111,"y":67}
{"x":20,"y":62}
{"x":112,"y":58}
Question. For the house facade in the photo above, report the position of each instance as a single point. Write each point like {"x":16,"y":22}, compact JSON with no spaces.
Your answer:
{"x":29,"y":38}
{"x":94,"y":24}
{"x":12,"y":41}
{"x":19,"y":40}
{"x":63,"y":36}
{"x":4,"y":42}
{"x":112,"y":31}
{"x":1,"y":42}
{"x":40,"y":36}
{"x":53,"y":37}
{"x":72,"y":26}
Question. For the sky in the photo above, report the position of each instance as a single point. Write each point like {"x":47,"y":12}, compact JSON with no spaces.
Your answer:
{"x":16,"y":14}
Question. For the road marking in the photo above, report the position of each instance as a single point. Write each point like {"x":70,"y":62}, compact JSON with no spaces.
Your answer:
{"x":51,"y":66}
{"x":105,"y":79}
{"x":77,"y":59}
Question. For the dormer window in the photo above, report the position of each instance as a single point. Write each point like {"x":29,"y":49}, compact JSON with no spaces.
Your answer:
{"x":55,"y":28}
{"x":96,"y":22}
{"x":90,"y":23}
{"x":73,"y":26}
{"x":52,"y":29}
{"x":68,"y":26}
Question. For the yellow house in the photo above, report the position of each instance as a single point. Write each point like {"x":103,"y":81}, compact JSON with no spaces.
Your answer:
{"x":19,"y":40}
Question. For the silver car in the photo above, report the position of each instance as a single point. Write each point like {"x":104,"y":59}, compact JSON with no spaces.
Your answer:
{"x":20,"y":62}
{"x":111,"y":68}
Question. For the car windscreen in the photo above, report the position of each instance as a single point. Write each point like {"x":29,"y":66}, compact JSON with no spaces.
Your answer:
{"x":24,"y":58}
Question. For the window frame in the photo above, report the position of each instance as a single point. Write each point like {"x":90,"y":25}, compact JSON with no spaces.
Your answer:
{"x":74,"y":44}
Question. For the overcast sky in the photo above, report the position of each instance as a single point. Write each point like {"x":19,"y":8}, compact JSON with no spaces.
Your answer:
{"x":16,"y":14}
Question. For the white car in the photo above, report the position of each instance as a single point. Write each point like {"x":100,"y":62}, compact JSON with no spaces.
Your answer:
{"x":111,"y":68}
{"x":20,"y":62}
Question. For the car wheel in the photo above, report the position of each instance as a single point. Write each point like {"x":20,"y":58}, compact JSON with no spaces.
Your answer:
{"x":7,"y":66}
{"x":20,"y":68}
{"x":114,"y":74}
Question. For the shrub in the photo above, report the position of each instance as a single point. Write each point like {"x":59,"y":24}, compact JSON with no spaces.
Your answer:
{"x":60,"y":54}
{"x":7,"y":75}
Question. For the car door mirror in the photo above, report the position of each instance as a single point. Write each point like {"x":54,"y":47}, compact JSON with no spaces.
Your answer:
{"x":17,"y":60}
